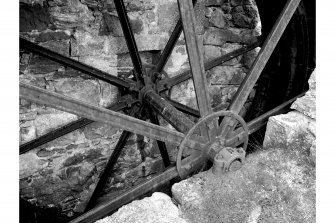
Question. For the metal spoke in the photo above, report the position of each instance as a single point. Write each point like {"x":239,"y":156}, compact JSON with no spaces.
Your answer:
{"x":83,"y":109}
{"x":70,"y":127}
{"x":249,"y":81}
{"x":108,"y":168}
{"x":183,"y":108}
{"x":161,"y":145}
{"x":260,"y":121}
{"x":270,"y":43}
{"x":177,"y":119}
{"x":165,"y":84}
{"x":195,"y":57}
{"x":94,"y":72}
{"x":130,"y":40}
{"x":170,"y":45}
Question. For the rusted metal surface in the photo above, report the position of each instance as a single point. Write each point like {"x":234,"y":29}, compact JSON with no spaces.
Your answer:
{"x":108,"y":168}
{"x":111,"y":162}
{"x":166,"y":84}
{"x":161,"y":145}
{"x":70,"y":127}
{"x":94,"y":72}
{"x":177,"y":119}
{"x":169,"y":46}
{"x":130,"y":40}
{"x":270,"y":43}
{"x":184,"y":108}
{"x":210,"y":123}
{"x":235,"y":138}
{"x":95,"y":113}
{"x":195,"y":57}
{"x":166,"y":108}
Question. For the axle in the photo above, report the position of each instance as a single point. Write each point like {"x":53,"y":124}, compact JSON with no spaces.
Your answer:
{"x":176,"y":118}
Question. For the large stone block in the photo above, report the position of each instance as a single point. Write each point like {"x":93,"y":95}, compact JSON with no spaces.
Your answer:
{"x":291,"y":130}
{"x":70,"y":14}
{"x":306,"y":104}
{"x":276,"y":185}
{"x":157,"y":208}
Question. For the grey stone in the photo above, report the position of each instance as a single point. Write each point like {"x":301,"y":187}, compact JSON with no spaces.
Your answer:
{"x":34,"y":16}
{"x":290,"y":130}
{"x":70,"y":14}
{"x":305,"y":105}
{"x":212,"y":52}
{"x":60,"y":46}
{"x":87,"y":44}
{"x":144,"y":43}
{"x":104,"y":63}
{"x":48,"y":122}
{"x":68,"y":167}
{"x":157,"y":208}
{"x":249,"y":57}
{"x":245,"y":16}
{"x":53,"y":36}
{"x":276,"y":185}
{"x":42,"y":65}
{"x":27,"y":133}
{"x":29,"y":164}
{"x":213,"y":2}
{"x":178,"y":60}
{"x":218,"y":19}
{"x":218,"y":37}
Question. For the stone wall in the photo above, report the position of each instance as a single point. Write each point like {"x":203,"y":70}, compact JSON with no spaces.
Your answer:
{"x":63,"y":173}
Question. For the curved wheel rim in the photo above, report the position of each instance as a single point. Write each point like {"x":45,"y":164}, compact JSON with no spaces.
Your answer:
{"x":204,"y":105}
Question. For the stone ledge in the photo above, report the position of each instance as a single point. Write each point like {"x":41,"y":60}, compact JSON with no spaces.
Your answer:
{"x":157,"y":208}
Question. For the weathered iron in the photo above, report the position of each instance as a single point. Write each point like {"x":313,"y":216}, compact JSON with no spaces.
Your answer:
{"x":145,"y":89}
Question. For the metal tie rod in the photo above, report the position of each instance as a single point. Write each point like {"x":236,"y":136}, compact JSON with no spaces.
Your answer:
{"x":91,"y":71}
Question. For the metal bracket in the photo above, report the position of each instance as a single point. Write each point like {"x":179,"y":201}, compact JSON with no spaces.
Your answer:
{"x":228,"y":159}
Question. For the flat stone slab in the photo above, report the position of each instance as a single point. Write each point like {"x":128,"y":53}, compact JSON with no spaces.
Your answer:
{"x":158,"y":208}
{"x":292,"y":130}
{"x":277,"y":185}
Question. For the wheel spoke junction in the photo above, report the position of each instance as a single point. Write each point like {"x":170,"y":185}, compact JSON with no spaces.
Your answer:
{"x":98,"y":114}
{"x":197,"y":138}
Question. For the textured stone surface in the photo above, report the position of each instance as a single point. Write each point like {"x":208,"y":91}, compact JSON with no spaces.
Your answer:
{"x":157,"y":208}
{"x":296,"y":128}
{"x":81,"y":29}
{"x":306,"y":104}
{"x":277,"y":185}
{"x":286,"y":127}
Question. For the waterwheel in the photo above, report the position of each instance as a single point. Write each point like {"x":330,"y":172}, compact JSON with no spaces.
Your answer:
{"x":278,"y":75}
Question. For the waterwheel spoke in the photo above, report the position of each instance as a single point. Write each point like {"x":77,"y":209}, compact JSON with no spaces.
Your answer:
{"x":195,"y":57}
{"x":269,"y":45}
{"x":70,"y":127}
{"x":96,"y":113}
{"x":91,"y":71}
{"x":184,"y":108}
{"x":108,"y":168}
{"x":170,"y":45}
{"x":259,"y":122}
{"x":164,"y":84}
{"x":161,"y":145}
{"x":130,"y":40}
